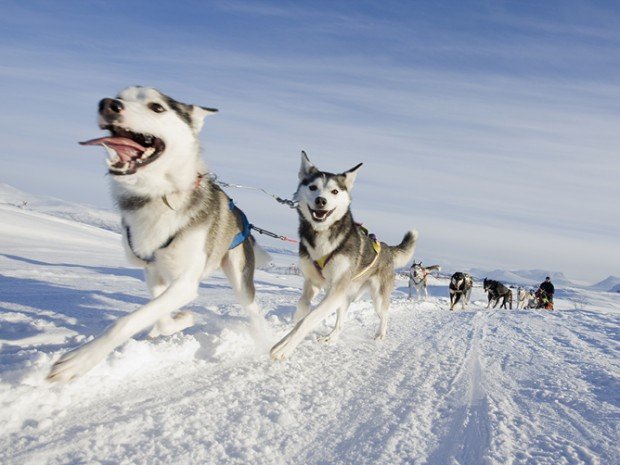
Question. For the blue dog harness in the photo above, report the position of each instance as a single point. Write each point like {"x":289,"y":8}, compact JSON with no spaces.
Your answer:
{"x":246,"y":228}
{"x":237,"y":240}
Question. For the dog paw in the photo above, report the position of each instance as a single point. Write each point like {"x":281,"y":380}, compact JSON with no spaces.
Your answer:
{"x":379,"y":337}
{"x":281,"y":351}
{"x":277,"y":355}
{"x":77,"y":362}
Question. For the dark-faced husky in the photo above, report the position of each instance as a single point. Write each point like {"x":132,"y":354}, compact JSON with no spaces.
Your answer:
{"x":460,"y":289}
{"x":338,"y":255}
{"x":176,"y":223}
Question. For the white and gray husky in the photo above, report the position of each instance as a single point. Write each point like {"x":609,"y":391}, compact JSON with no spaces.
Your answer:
{"x":177,"y":224}
{"x":338,"y":255}
{"x":418,"y":279}
{"x":525,"y":298}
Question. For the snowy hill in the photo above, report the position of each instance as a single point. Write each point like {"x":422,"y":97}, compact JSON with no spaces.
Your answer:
{"x":60,"y":208}
{"x":608,"y":284}
{"x":465,"y":387}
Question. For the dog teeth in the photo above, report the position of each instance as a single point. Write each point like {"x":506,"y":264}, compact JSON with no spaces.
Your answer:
{"x":113,"y":157}
{"x":147,"y":153}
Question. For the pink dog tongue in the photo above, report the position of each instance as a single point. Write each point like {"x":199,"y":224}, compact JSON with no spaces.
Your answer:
{"x":126,"y":149}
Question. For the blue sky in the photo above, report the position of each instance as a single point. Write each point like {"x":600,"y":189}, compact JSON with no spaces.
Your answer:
{"x":490,"y":126}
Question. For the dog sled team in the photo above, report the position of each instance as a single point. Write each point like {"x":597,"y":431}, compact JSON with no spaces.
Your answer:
{"x":180,"y":226}
{"x":461,"y":285}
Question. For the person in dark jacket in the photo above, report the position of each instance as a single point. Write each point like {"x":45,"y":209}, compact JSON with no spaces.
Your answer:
{"x":548,"y":290}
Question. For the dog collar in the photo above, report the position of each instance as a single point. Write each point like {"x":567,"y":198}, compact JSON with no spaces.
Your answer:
{"x":171,"y":204}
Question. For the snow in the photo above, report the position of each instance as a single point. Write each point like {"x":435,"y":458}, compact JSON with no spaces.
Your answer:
{"x":466,"y":387}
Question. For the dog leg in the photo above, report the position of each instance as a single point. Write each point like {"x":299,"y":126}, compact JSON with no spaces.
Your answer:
{"x":425,"y":293}
{"x":305,"y":301}
{"x":333,"y":300}
{"x":381,"y":303}
{"x":340,"y":317}
{"x":168,"y":324}
{"x":180,"y":292}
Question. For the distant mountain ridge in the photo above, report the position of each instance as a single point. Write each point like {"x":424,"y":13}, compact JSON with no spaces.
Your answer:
{"x":610,"y":283}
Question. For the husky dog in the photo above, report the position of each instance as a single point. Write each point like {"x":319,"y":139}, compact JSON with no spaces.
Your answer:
{"x":339,"y":255}
{"x":526,"y":298}
{"x":460,"y":289}
{"x":495,"y":291}
{"x":177,"y":224}
{"x":418,"y":278}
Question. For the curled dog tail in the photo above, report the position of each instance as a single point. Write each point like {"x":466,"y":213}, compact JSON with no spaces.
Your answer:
{"x":403,"y":252}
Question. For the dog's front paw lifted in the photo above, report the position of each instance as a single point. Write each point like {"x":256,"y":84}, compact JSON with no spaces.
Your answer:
{"x":77,"y":362}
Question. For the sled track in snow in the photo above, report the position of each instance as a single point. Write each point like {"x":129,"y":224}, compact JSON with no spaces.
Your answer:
{"x":466,"y":436}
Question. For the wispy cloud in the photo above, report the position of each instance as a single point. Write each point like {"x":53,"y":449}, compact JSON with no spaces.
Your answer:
{"x":462,"y":136}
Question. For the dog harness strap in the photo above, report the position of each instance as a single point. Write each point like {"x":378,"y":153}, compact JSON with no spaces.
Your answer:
{"x":150,"y":258}
{"x":321,"y":262}
{"x":247,"y":227}
{"x":376,"y":245}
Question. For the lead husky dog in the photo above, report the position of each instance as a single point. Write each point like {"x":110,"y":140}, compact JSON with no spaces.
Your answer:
{"x":177,"y":224}
{"x":339,"y":255}
{"x":418,"y":278}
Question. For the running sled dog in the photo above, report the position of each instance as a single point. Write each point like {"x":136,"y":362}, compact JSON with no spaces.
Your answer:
{"x":338,"y":255}
{"x":460,"y":289}
{"x":496,"y":291}
{"x":418,"y":278}
{"x":177,"y":224}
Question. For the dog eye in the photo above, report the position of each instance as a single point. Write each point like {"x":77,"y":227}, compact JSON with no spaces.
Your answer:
{"x":312,"y":188}
{"x":156,"y":107}
{"x":335,"y":191}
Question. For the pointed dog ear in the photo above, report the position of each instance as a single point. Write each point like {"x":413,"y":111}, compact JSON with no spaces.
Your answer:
{"x":307,"y":167}
{"x":349,"y":176}
{"x":199,"y":114}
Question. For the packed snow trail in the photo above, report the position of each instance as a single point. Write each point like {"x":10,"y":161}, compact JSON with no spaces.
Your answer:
{"x":464,"y":387}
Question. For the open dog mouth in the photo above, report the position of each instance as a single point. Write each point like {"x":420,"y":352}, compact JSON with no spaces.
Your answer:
{"x":127,"y":150}
{"x":320,"y":215}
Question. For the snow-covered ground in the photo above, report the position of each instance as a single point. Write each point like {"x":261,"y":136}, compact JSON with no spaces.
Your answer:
{"x":466,"y":387}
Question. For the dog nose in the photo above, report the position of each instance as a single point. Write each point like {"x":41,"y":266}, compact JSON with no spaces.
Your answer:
{"x":320,"y":202}
{"x":110,"y":106}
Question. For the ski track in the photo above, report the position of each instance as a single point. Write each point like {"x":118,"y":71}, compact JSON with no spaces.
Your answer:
{"x":445,"y":388}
